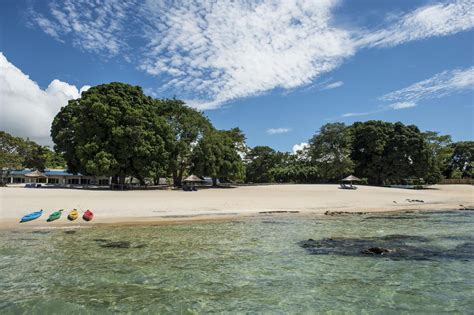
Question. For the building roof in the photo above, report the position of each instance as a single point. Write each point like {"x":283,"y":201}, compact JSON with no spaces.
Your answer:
{"x":35,"y":173}
{"x":47,"y":172}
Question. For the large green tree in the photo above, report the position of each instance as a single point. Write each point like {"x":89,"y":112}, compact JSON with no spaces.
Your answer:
{"x":188,"y":127}
{"x":461,"y":160}
{"x":330,"y":151}
{"x":113,"y":130}
{"x":260,"y":161}
{"x":390,"y":153}
{"x":441,"y":150}
{"x":218,"y":155}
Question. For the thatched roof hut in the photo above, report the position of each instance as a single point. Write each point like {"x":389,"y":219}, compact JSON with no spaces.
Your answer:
{"x":193,"y":179}
{"x":351,"y":178}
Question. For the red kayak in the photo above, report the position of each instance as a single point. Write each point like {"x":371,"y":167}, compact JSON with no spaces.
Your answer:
{"x":88,"y":215}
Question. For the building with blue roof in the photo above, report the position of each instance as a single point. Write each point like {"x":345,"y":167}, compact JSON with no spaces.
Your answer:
{"x":59,"y":177}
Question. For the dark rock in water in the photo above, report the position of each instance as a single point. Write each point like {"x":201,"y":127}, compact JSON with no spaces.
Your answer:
{"x":339,"y":213}
{"x":100,"y":240}
{"x":120,"y":244}
{"x":377,"y":251}
{"x":69,"y":232}
{"x":396,"y":247}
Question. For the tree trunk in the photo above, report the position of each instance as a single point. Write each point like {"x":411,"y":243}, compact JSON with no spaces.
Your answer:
{"x":176,"y":179}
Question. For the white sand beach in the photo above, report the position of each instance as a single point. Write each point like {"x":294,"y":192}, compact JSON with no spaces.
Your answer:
{"x":142,"y":206}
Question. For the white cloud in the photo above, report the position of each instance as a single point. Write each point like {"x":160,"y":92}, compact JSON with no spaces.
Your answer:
{"x":275,"y":131}
{"x":402,"y":105}
{"x":441,"y":84}
{"x":91,"y":26}
{"x":26,"y":109}
{"x":439,"y":19}
{"x":332,"y":85}
{"x":299,"y":147}
{"x":219,"y":51}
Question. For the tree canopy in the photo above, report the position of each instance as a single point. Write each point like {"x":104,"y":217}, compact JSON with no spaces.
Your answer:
{"x":188,"y":126}
{"x":217,"y":154}
{"x":16,"y":152}
{"x":113,"y":130}
{"x":330,"y":150}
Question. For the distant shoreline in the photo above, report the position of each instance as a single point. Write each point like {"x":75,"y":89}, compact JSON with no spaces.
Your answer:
{"x":160,"y":207}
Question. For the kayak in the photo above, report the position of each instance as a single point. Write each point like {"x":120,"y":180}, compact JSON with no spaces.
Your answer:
{"x":73,"y":215}
{"x":88,"y":215}
{"x":55,"y":215}
{"x":31,"y":216}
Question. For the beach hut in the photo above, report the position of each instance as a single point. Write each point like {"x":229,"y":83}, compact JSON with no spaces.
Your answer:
{"x":190,"y":182}
{"x":346,"y":183}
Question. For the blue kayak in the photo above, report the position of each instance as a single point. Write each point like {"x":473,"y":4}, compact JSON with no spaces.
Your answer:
{"x":31,"y":216}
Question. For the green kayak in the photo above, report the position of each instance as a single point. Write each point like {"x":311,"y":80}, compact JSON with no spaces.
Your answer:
{"x":55,"y":215}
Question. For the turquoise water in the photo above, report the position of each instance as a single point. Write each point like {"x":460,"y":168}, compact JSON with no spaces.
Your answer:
{"x":255,"y":265}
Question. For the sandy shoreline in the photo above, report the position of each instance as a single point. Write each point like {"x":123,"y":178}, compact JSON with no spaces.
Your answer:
{"x":171,"y":207}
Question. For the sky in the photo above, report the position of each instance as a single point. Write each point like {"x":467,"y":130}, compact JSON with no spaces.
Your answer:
{"x":278,"y":70}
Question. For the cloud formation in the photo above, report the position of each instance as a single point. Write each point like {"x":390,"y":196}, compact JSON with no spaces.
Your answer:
{"x":216,"y":52}
{"x":26,"y":109}
{"x":441,"y":84}
{"x":332,"y":85}
{"x":275,"y":131}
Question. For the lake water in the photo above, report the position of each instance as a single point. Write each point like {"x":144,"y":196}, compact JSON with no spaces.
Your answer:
{"x":254,"y":265}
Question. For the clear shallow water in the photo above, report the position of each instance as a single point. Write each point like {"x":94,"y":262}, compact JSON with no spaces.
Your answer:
{"x":254,"y":265}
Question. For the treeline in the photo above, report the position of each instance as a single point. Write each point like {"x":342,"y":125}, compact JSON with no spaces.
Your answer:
{"x":115,"y":130}
{"x":381,"y":153}
{"x":18,"y":153}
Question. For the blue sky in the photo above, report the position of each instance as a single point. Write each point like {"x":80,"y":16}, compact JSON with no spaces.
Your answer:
{"x":276,"y":69}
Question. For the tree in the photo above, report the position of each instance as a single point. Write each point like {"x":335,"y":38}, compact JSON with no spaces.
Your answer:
{"x":217,"y":155}
{"x":12,"y":151}
{"x":112,"y":130}
{"x":330,"y":151}
{"x":259,"y":164}
{"x":441,"y":150}
{"x":461,"y":160}
{"x":16,"y":152}
{"x":389,"y":153}
{"x":188,"y":127}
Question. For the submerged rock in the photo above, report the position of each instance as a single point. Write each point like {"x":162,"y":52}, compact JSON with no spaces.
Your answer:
{"x":70,"y":232}
{"x":406,"y":247}
{"x":120,"y":244}
{"x":338,"y":213}
{"x":117,"y":244}
{"x":377,"y":251}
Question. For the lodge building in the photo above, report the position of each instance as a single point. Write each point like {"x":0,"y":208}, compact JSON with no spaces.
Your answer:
{"x":58,"y":177}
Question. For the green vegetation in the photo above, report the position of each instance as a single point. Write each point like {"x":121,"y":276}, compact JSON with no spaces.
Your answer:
{"x":16,"y":153}
{"x":115,"y":130}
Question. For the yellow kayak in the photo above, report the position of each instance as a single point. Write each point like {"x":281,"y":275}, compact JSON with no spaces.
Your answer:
{"x":73,"y":215}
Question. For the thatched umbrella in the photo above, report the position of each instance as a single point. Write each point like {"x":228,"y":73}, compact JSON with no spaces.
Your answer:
{"x":351,"y":178}
{"x":193,"y":179}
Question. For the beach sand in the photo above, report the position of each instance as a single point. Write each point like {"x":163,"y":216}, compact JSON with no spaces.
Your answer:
{"x":162,"y":206}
